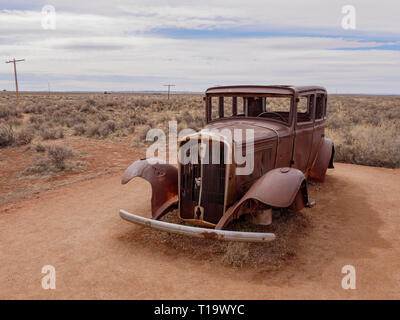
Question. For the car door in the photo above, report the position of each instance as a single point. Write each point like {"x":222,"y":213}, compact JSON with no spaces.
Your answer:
{"x":319,"y":126}
{"x":304,"y":128}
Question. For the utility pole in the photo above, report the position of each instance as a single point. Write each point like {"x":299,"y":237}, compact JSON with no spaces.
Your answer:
{"x":169,"y":86}
{"x":15,"y":75}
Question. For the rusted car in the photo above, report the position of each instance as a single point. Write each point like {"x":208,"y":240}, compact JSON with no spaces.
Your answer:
{"x":287,"y":148}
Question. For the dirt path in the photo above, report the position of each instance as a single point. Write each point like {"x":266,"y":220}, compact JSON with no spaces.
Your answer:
{"x":76,"y":228}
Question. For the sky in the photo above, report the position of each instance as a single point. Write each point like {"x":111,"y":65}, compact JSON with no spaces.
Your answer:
{"x":141,"y":45}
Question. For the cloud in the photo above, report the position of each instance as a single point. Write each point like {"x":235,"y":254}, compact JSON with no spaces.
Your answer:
{"x":124,"y":45}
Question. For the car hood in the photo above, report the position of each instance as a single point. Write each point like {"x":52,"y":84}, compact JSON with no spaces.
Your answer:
{"x":234,"y":131}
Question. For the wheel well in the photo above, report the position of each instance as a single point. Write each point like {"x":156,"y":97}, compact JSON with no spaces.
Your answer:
{"x":332,"y":156}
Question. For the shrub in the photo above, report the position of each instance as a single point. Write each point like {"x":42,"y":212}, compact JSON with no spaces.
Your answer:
{"x":91,"y":102}
{"x":37,"y":109}
{"x":93,"y":130}
{"x":7,"y":135}
{"x":52,"y":133}
{"x":79,"y":130}
{"x":14,"y":122}
{"x":54,"y":160}
{"x":36,"y":119}
{"x":41,"y":165}
{"x":107,"y":128}
{"x":74,"y":119}
{"x":40,"y":148}
{"x":58,"y":154}
{"x":101,"y":130}
{"x":25,"y":136}
{"x":129,"y":124}
{"x":87,"y":109}
{"x":7,"y":111}
{"x":103,"y":117}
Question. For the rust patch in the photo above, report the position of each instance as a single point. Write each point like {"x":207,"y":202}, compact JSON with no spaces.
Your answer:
{"x":210,"y":235}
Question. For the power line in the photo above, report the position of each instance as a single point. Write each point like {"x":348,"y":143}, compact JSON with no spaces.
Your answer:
{"x":15,"y":75}
{"x":169,"y":86}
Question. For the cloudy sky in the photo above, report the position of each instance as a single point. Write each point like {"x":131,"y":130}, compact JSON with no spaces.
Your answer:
{"x":141,"y":45}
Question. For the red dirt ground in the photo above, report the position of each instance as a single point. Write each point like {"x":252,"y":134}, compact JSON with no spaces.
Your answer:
{"x":77,"y":229}
{"x":101,"y":156}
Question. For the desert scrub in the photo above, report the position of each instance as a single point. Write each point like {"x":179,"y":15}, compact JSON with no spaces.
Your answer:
{"x":7,"y":112}
{"x":363,"y":127}
{"x":32,"y":108}
{"x":24,"y":136}
{"x":58,"y":154}
{"x":101,"y":130}
{"x":52,"y":133}
{"x":10,"y":137}
{"x":368,"y":144}
{"x":54,"y":160}
{"x":39,"y":147}
{"x":79,"y":130}
{"x":128,"y":124}
{"x":7,"y":135}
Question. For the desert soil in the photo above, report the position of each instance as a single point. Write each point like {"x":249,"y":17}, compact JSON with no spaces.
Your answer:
{"x":77,"y":229}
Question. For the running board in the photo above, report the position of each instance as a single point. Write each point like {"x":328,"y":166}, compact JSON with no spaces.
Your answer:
{"x":197,"y":232}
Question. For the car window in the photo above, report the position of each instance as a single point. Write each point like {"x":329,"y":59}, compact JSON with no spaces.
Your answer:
{"x":214,"y":108}
{"x":228,"y":106}
{"x":240,"y":106}
{"x":273,"y":107}
{"x":304,"y":108}
{"x":278,"y":104}
{"x":319,"y":106}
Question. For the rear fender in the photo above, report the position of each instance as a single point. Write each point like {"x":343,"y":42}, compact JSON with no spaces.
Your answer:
{"x":281,"y":188}
{"x":324,"y":160}
{"x":163,"y":179}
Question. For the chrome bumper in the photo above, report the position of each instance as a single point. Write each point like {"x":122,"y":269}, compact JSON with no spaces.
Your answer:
{"x":197,"y":232}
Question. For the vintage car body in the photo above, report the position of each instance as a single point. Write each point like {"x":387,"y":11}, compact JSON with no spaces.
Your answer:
{"x":288,"y":147}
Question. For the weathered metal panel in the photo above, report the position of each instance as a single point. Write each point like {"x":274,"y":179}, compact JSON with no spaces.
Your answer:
{"x":323,"y":160}
{"x":163,"y":178}
{"x":277,"y":188}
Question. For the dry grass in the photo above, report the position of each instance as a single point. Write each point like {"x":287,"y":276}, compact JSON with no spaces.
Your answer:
{"x":10,"y":137}
{"x":365,"y":129}
{"x":289,"y":228}
{"x":54,"y":160}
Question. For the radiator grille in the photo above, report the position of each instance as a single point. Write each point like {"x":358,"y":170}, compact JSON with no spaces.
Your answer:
{"x":212,"y":180}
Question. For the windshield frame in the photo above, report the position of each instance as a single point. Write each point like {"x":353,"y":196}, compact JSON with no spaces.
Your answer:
{"x":209,"y":106}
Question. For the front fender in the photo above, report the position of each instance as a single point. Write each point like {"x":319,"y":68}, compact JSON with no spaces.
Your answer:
{"x":163,"y":179}
{"x":277,"y":188}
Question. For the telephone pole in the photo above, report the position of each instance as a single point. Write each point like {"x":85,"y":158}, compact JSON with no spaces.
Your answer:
{"x":15,"y":75}
{"x":169,"y":86}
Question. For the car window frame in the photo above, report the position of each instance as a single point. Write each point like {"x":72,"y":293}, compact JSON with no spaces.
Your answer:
{"x":312,"y":114}
{"x":209,"y":107}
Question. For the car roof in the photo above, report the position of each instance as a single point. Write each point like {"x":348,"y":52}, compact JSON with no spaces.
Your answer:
{"x":267,"y":89}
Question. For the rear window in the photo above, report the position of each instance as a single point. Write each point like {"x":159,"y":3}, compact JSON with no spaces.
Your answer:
{"x":319,"y":106}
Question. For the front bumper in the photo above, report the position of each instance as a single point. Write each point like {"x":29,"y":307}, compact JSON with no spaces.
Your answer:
{"x":197,"y":232}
